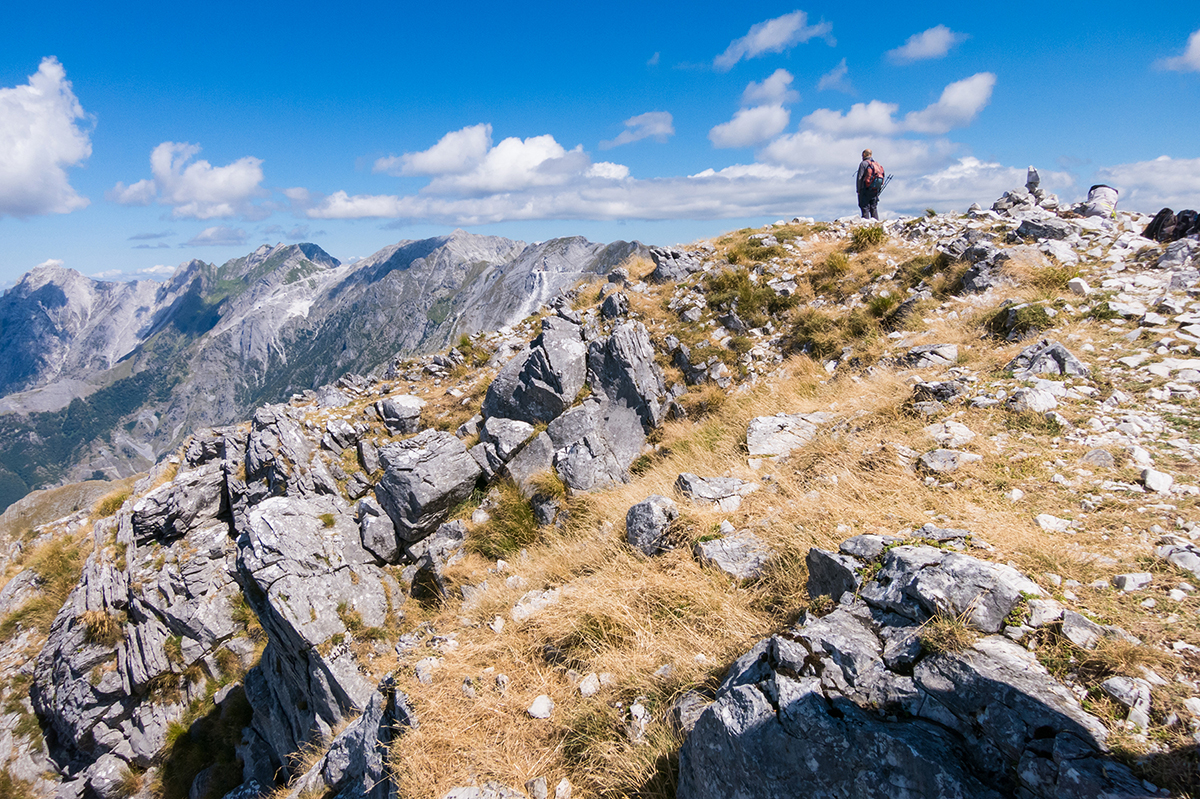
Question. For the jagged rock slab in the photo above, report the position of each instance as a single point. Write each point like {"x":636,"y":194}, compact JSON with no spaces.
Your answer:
{"x":424,"y":478}
{"x":544,"y":380}
{"x":779,"y":435}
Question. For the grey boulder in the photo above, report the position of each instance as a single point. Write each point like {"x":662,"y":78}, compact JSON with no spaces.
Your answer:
{"x":647,"y":523}
{"x":401,"y":414}
{"x":1047,"y":357}
{"x":544,"y":380}
{"x":424,"y":478}
{"x":742,"y":556}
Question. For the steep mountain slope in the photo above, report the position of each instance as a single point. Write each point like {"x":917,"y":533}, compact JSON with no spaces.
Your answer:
{"x":106,"y":377}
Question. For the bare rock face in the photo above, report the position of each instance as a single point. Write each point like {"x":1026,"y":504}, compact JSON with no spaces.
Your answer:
{"x":595,"y":443}
{"x":543,"y":381}
{"x":424,"y":477}
{"x":282,"y":459}
{"x":354,"y":765}
{"x":1047,"y":356}
{"x":622,"y":368}
{"x":852,"y":704}
{"x":304,"y":578}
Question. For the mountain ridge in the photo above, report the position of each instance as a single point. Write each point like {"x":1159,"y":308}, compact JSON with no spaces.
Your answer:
{"x":130,"y":369}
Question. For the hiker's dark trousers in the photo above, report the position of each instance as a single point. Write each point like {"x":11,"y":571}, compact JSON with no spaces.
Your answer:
{"x":869,"y":205}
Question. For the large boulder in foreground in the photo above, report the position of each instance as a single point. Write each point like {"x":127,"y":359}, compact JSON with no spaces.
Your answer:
{"x":855,"y":704}
{"x":424,"y":477}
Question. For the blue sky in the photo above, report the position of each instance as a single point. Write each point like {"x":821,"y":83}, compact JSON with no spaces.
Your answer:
{"x":139,"y":136}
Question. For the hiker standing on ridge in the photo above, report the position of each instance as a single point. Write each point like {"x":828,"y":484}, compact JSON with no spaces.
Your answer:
{"x":868,"y":184}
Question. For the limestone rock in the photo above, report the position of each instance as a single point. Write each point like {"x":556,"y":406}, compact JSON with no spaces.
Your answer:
{"x":779,"y":435}
{"x":401,"y":414}
{"x":724,"y":492}
{"x":1046,"y":357}
{"x":742,"y":556}
{"x":648,"y":522}
{"x":424,"y":478}
{"x":544,"y":380}
{"x":595,"y":444}
{"x":622,"y":368}
{"x":932,"y":355}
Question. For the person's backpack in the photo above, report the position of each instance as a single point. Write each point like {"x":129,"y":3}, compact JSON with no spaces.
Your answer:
{"x":873,"y":179}
{"x":1161,"y":227}
{"x":1185,"y":224}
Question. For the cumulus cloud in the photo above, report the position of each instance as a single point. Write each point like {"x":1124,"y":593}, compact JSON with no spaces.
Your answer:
{"x":40,"y":136}
{"x":1189,"y":61}
{"x":50,"y":262}
{"x":933,"y":43}
{"x":219,"y":236}
{"x":195,"y":189}
{"x":772,"y":91}
{"x":455,"y":153}
{"x":958,"y":106}
{"x":657,"y":125}
{"x":1151,"y":185}
{"x":836,"y":79}
{"x":751,"y":126}
{"x":773,"y":36}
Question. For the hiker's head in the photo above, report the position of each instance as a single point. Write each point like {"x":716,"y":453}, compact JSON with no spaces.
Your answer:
{"x":866,"y":154}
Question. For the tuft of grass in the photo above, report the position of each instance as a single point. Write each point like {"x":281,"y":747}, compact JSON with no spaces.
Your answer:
{"x":733,"y":290}
{"x":1028,"y":319}
{"x":58,"y":564}
{"x":944,"y":633}
{"x":109,"y":504}
{"x":14,"y":787}
{"x":864,"y":238}
{"x":101,"y":628}
{"x":511,"y":528}
{"x":327,"y":519}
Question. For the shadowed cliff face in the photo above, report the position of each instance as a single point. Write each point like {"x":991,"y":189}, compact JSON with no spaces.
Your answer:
{"x":107,"y":376}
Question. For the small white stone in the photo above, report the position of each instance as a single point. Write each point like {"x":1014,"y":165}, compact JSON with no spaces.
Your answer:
{"x":1015,"y":495}
{"x":1052,"y":524}
{"x":541,"y":708}
{"x":589,"y":686}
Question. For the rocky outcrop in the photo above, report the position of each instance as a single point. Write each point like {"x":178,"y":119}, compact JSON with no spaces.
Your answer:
{"x":544,"y":380}
{"x":860,"y":702}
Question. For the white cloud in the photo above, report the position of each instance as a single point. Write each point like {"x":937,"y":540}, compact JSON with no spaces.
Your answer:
{"x":772,"y":91}
{"x":751,"y":126}
{"x":1189,"y":61}
{"x":196,"y":190}
{"x":875,"y":117}
{"x":960,"y":102}
{"x":1150,"y":185}
{"x":933,"y":43}
{"x":958,"y":105}
{"x":455,"y":153}
{"x":657,"y":125}
{"x":39,"y":137}
{"x":52,"y":262}
{"x":607,"y":170}
{"x":653,"y":60}
{"x":221,"y":235}
{"x":773,"y":36}
{"x":836,"y":79}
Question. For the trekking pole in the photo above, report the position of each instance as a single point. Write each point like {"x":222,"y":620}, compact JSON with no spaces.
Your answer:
{"x":886,"y":181}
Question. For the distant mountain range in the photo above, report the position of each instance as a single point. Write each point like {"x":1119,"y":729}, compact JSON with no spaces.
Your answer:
{"x":100,"y":378}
